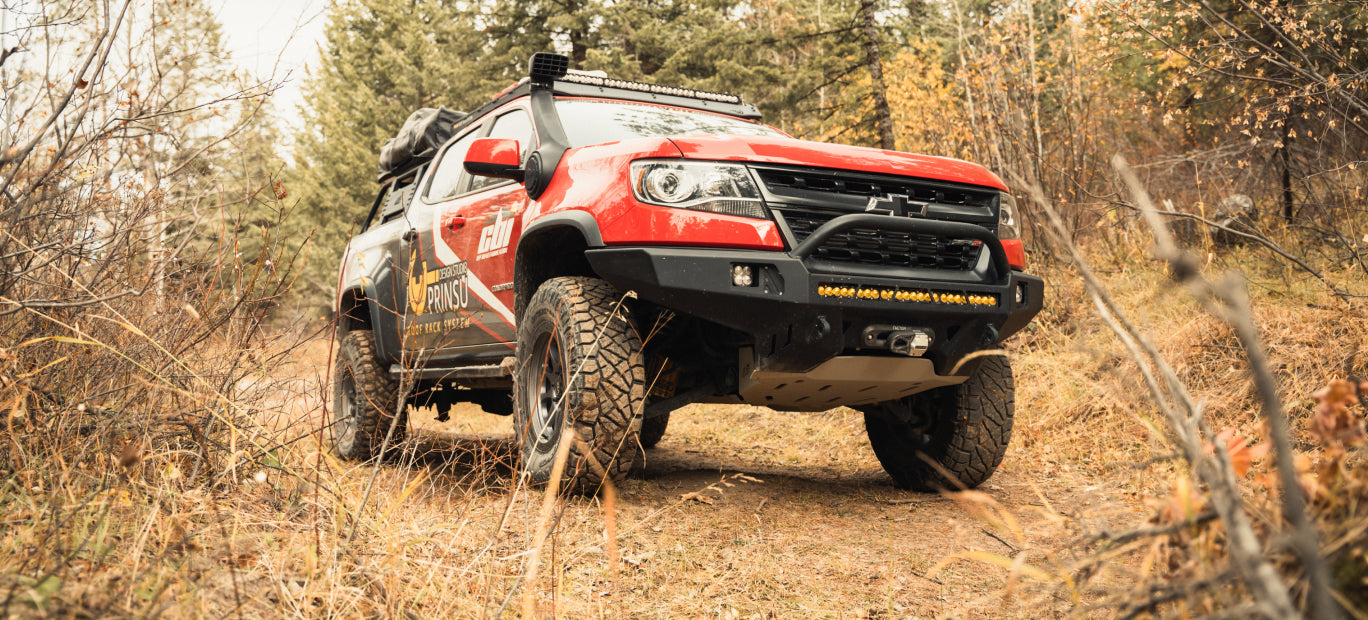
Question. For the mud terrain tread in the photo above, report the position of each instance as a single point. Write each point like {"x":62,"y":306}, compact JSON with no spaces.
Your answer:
{"x":608,"y":393}
{"x":376,"y":390}
{"x":653,"y":429}
{"x":969,"y":441}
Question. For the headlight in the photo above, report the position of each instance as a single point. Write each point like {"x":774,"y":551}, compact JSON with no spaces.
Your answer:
{"x":1007,"y":217}
{"x":718,"y":188}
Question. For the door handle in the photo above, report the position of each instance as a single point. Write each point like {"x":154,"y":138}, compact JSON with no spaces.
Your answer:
{"x":455,"y":223}
{"x":411,"y":235}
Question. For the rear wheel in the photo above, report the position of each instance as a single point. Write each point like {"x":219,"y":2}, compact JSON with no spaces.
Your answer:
{"x":963,"y":429}
{"x":364,"y":399}
{"x":652,"y":429}
{"x":578,"y":374}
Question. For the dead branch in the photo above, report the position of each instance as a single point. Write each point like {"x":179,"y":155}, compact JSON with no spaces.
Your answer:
{"x":1183,"y":416}
{"x":49,"y":303}
{"x":1139,"y":533}
{"x":1261,"y":240}
{"x":1228,"y":300}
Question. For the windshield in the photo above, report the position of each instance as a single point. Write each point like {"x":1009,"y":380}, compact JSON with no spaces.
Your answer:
{"x":589,"y":122}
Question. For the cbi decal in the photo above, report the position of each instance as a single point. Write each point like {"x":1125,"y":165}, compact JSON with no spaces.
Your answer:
{"x":440,"y":290}
{"x":494,"y":238}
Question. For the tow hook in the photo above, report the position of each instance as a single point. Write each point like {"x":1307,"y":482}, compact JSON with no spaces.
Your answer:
{"x":899,"y":339}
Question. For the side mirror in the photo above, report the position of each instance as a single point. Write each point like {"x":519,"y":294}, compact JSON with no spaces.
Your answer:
{"x":495,"y":157}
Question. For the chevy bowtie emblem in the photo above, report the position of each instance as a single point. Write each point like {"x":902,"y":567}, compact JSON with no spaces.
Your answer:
{"x":896,"y":204}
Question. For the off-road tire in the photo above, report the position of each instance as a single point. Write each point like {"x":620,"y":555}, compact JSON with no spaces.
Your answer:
{"x":364,"y":399}
{"x":965,"y":429}
{"x":652,"y":429}
{"x":578,"y":346}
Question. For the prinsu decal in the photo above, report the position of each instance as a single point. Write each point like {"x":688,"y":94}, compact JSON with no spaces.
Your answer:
{"x":439,"y":290}
{"x":418,"y":285}
{"x":494,"y":238}
{"x":450,"y":291}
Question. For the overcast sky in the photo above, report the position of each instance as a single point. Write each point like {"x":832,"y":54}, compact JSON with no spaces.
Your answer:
{"x":275,"y":37}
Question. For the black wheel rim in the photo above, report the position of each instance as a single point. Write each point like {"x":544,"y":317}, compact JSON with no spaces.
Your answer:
{"x":546,"y":399}
{"x":918,"y":430}
{"x":345,"y":429}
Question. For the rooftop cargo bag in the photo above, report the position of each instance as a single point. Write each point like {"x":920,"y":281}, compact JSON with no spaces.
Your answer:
{"x":423,"y":132}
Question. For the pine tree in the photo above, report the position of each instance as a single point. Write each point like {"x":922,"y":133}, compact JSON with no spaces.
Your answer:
{"x":189,"y":115}
{"x":385,"y":59}
{"x":382,"y":60}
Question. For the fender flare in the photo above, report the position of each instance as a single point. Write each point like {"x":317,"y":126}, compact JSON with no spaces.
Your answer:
{"x":364,"y":294}
{"x":581,"y":222}
{"x":573,"y":218}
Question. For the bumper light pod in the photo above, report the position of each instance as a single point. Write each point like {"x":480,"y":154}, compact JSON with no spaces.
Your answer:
{"x":742,"y":275}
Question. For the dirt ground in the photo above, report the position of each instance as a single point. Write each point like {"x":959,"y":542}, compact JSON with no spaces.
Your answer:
{"x":747,"y":512}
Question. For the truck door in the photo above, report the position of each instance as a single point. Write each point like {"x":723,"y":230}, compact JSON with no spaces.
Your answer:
{"x":392,"y":254}
{"x":435,"y":314}
{"x":461,"y":297}
{"x":494,"y":224}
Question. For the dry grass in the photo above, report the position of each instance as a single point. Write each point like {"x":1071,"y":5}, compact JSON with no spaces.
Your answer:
{"x":741,"y":512}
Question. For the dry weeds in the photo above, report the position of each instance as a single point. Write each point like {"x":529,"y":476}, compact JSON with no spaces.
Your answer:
{"x":741,"y":512}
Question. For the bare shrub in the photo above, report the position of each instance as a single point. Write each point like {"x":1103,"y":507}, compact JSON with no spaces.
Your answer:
{"x":134,"y":374}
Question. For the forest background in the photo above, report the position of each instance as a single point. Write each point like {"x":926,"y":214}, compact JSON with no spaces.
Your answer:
{"x":169,"y":253}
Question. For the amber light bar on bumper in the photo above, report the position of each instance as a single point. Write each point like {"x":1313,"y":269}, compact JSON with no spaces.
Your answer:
{"x":826,"y":289}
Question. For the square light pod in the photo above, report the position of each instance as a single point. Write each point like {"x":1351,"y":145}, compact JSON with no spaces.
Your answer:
{"x":743,"y":275}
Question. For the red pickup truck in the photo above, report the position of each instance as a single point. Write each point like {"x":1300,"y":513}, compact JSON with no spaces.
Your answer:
{"x":590,"y":255}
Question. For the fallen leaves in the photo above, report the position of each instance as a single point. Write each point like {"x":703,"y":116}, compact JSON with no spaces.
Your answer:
{"x":1242,"y":455}
{"x":131,"y":454}
{"x":728,"y":481}
{"x":1333,"y":421}
{"x":699,"y":497}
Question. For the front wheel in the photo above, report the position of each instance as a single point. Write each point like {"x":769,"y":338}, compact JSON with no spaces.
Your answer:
{"x":578,"y":374}
{"x":960,"y":430}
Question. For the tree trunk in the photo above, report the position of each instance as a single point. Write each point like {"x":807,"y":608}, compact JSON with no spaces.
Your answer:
{"x":968,"y":84}
{"x":881,"y":111}
{"x":156,"y":242}
{"x":1038,"y":166}
{"x":1286,"y":161}
{"x":579,"y":52}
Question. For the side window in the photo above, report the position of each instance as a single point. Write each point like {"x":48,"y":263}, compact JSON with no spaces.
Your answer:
{"x":517,"y":125}
{"x":450,"y":174}
{"x":380,"y":204}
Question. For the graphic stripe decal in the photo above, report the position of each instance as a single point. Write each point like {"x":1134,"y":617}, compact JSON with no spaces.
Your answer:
{"x":446,"y":257}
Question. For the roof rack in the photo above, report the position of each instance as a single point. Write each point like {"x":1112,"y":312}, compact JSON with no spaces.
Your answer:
{"x":551,"y":73}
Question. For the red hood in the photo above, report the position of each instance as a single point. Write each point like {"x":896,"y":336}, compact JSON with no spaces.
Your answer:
{"x":778,"y":150}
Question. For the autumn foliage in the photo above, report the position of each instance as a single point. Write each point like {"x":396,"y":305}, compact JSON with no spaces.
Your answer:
{"x":162,"y":444}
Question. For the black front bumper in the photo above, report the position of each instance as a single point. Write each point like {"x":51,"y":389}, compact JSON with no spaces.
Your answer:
{"x":802,"y":312}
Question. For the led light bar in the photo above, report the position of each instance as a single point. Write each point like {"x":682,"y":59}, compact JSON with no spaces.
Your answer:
{"x":959,"y":298}
{"x":606,"y":82}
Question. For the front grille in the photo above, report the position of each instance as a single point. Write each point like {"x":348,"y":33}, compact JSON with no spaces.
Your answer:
{"x":881,"y":247}
{"x":873,"y":186}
